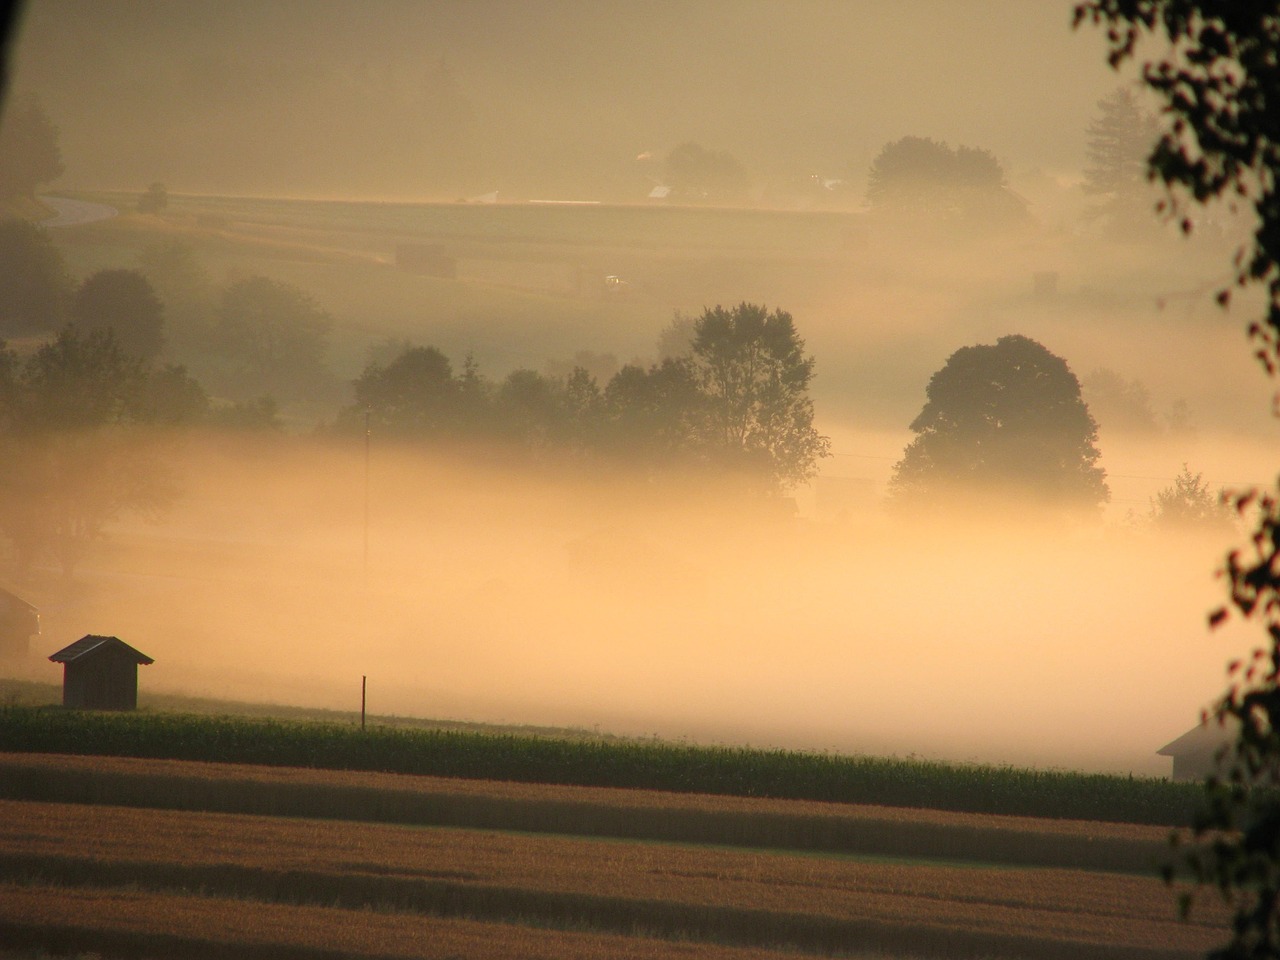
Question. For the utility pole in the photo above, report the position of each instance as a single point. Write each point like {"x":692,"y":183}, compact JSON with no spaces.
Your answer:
{"x":363,"y":681}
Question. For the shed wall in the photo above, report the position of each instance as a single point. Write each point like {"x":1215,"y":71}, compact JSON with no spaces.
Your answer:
{"x":107,"y":681}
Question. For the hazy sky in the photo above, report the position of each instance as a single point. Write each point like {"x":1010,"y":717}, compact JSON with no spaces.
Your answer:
{"x":400,"y":98}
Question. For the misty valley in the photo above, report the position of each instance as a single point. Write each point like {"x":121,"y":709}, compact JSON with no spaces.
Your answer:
{"x":553,"y":479}
{"x":618,"y":532}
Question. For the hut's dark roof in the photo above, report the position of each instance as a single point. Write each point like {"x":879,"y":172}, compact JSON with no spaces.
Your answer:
{"x":89,"y":644}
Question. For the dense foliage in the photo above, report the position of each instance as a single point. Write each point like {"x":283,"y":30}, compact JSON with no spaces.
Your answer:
{"x":34,"y":288}
{"x":922,"y":176}
{"x":270,"y":338}
{"x":735,"y":402}
{"x":71,"y":458}
{"x":1218,"y":78}
{"x":124,"y":302}
{"x":1120,"y":138}
{"x":29,"y":151}
{"x":698,"y":175}
{"x":1003,"y":420}
{"x":1189,"y":505}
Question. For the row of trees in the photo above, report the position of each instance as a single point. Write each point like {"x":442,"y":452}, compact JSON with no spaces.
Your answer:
{"x":925,"y":178}
{"x":920,"y":177}
{"x":736,"y":400}
{"x":86,"y":428}
{"x":730,"y":395}
{"x":1002,"y":422}
{"x":71,"y":459}
{"x":253,"y":336}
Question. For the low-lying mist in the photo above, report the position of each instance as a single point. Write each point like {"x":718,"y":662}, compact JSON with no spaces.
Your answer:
{"x":568,"y":597}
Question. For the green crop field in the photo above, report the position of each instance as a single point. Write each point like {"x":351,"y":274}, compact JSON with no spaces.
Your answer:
{"x":731,"y":771}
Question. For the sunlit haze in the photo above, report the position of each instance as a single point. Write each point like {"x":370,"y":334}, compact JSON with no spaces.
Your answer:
{"x":566,"y":594}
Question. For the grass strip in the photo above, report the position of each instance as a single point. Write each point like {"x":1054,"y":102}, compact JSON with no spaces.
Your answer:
{"x":731,"y":771}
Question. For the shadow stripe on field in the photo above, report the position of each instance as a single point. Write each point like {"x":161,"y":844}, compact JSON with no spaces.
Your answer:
{"x":765,"y":830}
{"x":653,"y":918}
{"x":72,"y":939}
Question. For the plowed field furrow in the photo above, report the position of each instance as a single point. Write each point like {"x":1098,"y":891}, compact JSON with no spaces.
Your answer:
{"x":717,"y":893}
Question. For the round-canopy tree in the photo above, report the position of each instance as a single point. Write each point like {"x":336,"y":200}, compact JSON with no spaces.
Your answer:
{"x":700,"y":175}
{"x":124,"y":302}
{"x":756,"y":410}
{"x":1003,"y":420}
{"x":272,"y":339}
{"x":923,"y":177}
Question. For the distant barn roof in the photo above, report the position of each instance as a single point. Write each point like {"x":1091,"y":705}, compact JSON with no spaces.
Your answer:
{"x":1203,"y":738}
{"x":88,"y":644}
{"x":8,"y":596}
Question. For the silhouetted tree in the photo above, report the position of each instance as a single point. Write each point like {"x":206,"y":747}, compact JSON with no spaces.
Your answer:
{"x":272,"y":339}
{"x":81,"y":380}
{"x":72,"y":461}
{"x":1188,"y":505}
{"x":530,"y":408}
{"x":756,"y":412}
{"x":653,"y":416}
{"x":1120,"y":140}
{"x":1002,"y":420}
{"x":601,"y":366}
{"x":920,"y":176}
{"x":29,"y":153}
{"x":187,"y":293}
{"x":676,"y":339}
{"x":700,"y":175}
{"x":33,"y":282}
{"x":123,"y":302}
{"x":171,"y":397}
{"x":1219,"y":81}
{"x":415,"y":394}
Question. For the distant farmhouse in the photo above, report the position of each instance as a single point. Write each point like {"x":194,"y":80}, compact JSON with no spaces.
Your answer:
{"x":100,"y":673}
{"x":1195,"y":753}
{"x":19,"y":622}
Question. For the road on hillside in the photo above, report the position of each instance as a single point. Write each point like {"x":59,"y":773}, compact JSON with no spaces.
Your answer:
{"x":73,"y":212}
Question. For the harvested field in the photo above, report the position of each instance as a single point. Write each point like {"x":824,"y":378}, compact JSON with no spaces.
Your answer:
{"x":117,"y":879}
{"x":584,"y":811}
{"x":128,"y":923}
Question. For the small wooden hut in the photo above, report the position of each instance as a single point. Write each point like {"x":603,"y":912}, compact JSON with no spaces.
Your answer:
{"x":100,"y":673}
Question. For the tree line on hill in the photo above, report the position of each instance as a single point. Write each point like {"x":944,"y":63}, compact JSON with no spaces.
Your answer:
{"x":913,"y":178}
